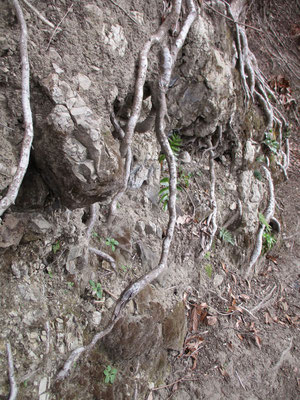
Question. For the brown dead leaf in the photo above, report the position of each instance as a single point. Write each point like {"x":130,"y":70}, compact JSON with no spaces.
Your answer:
{"x":257,"y":341}
{"x":224,"y":267}
{"x":273,"y":259}
{"x":289,"y":319}
{"x":234,"y":278}
{"x":224,"y":373}
{"x":211,"y":320}
{"x":241,"y":337}
{"x":268,"y":318}
{"x":244,"y":297}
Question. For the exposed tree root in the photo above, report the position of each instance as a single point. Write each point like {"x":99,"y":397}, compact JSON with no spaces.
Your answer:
{"x":265,"y":301}
{"x":14,"y":187}
{"x":212,"y":219}
{"x":11,"y":374}
{"x":268,"y":215}
{"x":41,"y":17}
{"x":168,"y":58}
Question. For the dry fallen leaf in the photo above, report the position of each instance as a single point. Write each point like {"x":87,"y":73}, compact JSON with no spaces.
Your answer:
{"x":257,"y":341}
{"x":224,"y":267}
{"x":268,"y":318}
{"x":224,"y":373}
{"x":240,"y":336}
{"x":244,"y":297}
{"x":211,"y":320}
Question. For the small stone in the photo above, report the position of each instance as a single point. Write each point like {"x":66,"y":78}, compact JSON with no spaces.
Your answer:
{"x":150,"y":228}
{"x":57,"y":69}
{"x":140,"y":227}
{"x":96,"y":318}
{"x":218,"y":280}
{"x":83,"y":81}
{"x":159,"y":232}
{"x":232,"y":206}
{"x":185,"y":157}
{"x":109,"y":303}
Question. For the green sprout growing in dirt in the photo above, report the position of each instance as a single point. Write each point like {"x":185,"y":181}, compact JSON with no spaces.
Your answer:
{"x":96,"y":288}
{"x":70,"y":285}
{"x":56,"y":247}
{"x":209,"y":270}
{"x":124,"y":268}
{"x":112,"y":243}
{"x":271,"y":143}
{"x":110,"y":374}
{"x":269,"y":239}
{"x":226,"y":236}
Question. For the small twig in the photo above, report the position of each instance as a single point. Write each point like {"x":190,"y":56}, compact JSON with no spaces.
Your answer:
{"x":7,"y":127}
{"x":264,"y":301}
{"x":173,"y":383}
{"x":124,"y":11}
{"x":225,"y":16}
{"x":109,"y":293}
{"x":105,"y":256}
{"x":58,"y":25}
{"x":47,"y":328}
{"x":11,"y":374}
{"x":41,"y":17}
{"x":14,"y":187}
{"x":243,"y":386}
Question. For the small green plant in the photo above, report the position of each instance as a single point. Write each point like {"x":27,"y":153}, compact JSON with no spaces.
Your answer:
{"x":260,"y":159}
{"x":112,"y":243}
{"x":207,"y":255}
{"x":271,"y":143}
{"x":184,"y":178}
{"x":70,"y":285}
{"x":95,"y":235}
{"x":56,"y":247}
{"x":164,"y":192}
{"x":25,"y":383}
{"x":226,"y":236}
{"x":269,"y":239}
{"x":209,"y":270}
{"x":269,"y":242}
{"x":257,"y":175}
{"x":96,"y":288}
{"x":175,"y":144}
{"x":50,"y":273}
{"x":124,"y":268}
{"x":110,"y":374}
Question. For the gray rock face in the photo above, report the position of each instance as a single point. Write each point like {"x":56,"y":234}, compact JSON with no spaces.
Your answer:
{"x":78,"y":162}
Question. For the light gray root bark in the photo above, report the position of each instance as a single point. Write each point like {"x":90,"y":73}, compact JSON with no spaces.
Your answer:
{"x":268,"y":215}
{"x":11,"y":374}
{"x":15,"y":185}
{"x":167,"y":64}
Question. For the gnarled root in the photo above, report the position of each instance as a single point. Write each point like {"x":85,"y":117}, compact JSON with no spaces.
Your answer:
{"x":169,"y":56}
{"x":268,"y":215}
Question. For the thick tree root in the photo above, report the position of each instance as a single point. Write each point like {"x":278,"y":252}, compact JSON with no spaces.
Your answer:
{"x":11,"y":374}
{"x":268,"y":215}
{"x":15,"y":185}
{"x":213,"y":216}
{"x":168,"y":58}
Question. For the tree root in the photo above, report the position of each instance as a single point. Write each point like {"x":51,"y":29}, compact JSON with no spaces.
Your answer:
{"x":41,"y":17}
{"x":15,"y":185}
{"x":213,"y":216}
{"x":11,"y":374}
{"x":265,"y":301}
{"x":168,"y":58}
{"x":268,"y":215}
